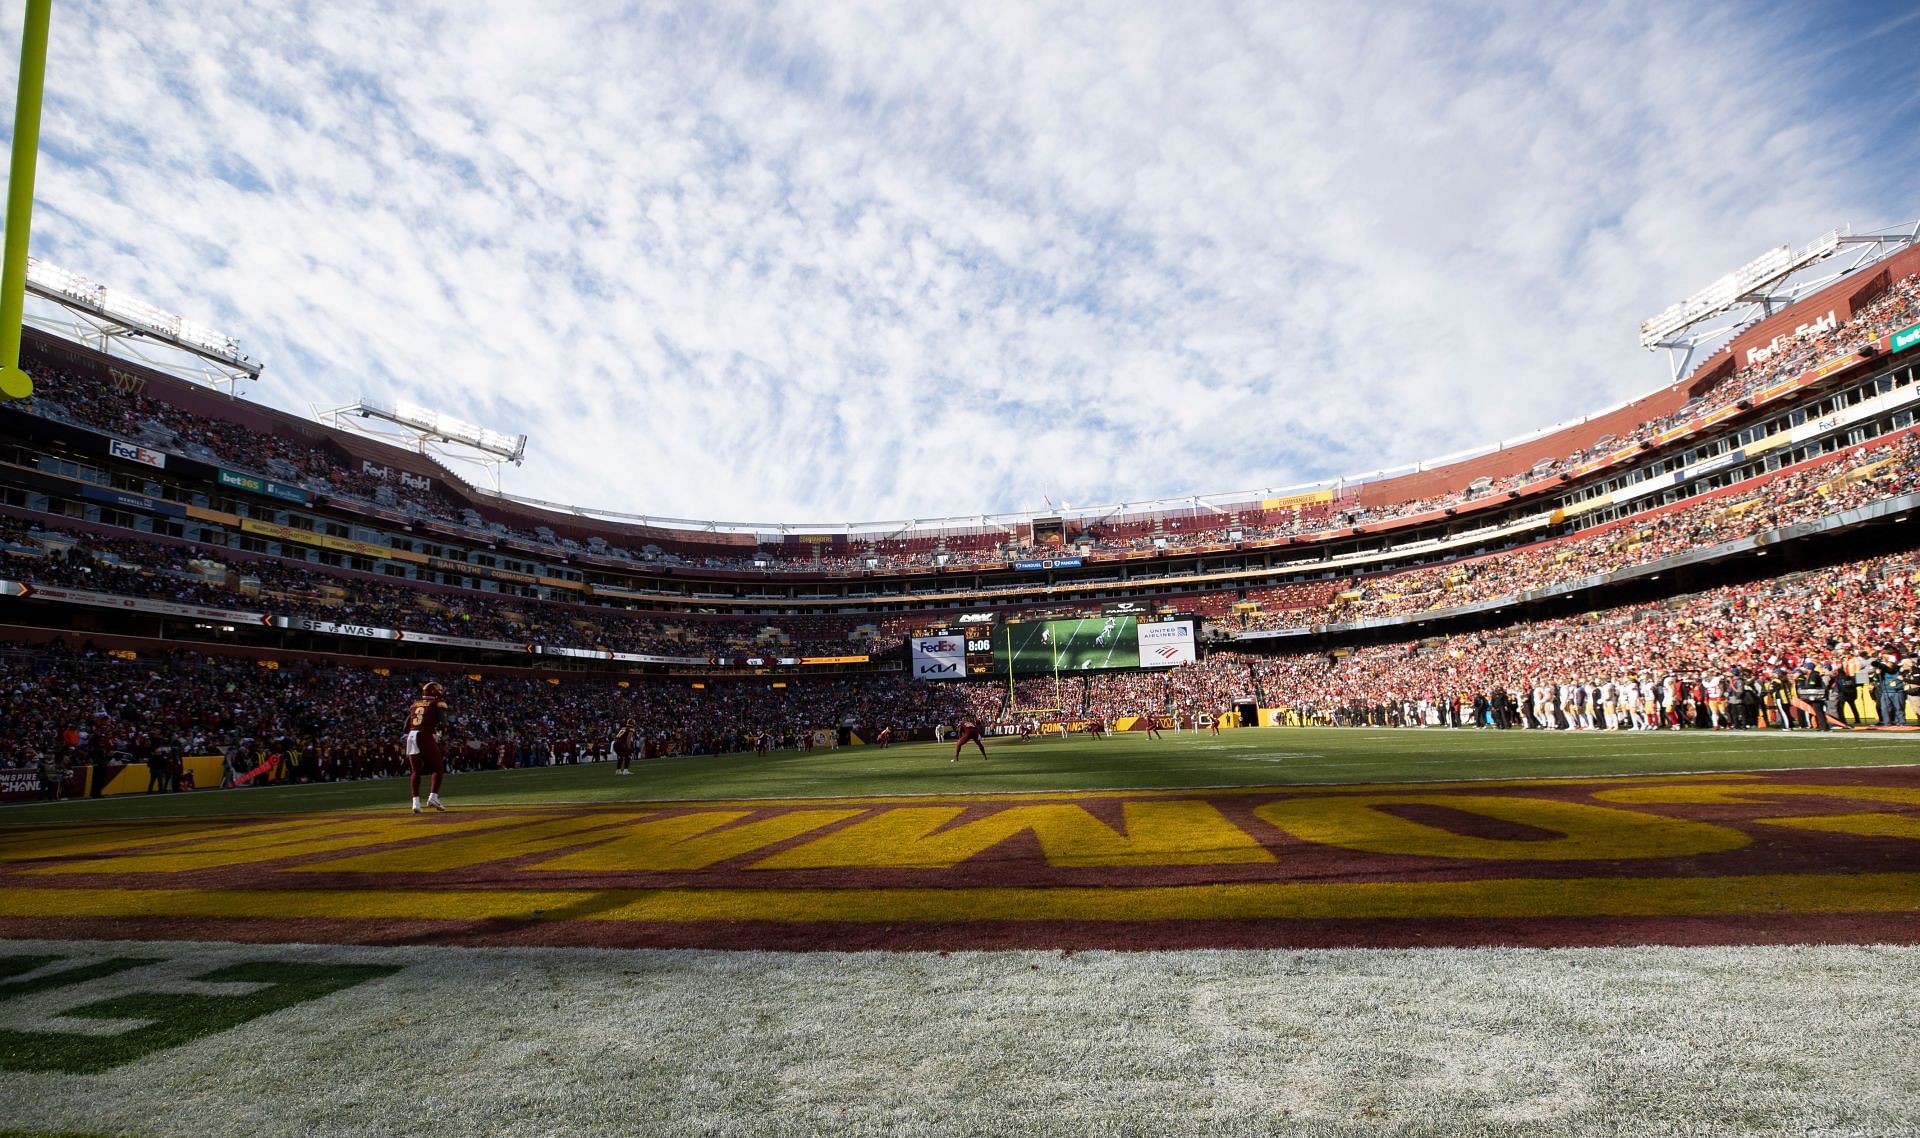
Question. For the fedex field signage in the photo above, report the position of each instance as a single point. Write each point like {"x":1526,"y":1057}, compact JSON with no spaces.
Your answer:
{"x":939,"y":657}
{"x":140,"y":454}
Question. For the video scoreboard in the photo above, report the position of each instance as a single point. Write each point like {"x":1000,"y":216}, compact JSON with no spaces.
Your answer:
{"x":986,"y":646}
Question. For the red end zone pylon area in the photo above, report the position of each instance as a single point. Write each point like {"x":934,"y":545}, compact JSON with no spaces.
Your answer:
{"x":1812,"y":856}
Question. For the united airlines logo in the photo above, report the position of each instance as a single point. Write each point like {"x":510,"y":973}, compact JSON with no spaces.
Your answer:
{"x":1168,"y":652}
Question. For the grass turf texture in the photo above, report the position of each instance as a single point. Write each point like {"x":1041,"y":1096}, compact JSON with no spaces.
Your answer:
{"x":1262,"y":757}
{"x":1483,"y":1043}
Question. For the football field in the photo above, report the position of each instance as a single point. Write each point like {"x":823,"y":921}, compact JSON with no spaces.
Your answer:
{"x":1273,"y":931}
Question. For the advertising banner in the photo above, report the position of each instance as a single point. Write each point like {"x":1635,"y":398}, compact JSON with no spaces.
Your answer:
{"x":1126,"y":608}
{"x":133,"y":501}
{"x":939,"y":657}
{"x":253,"y":485}
{"x":126,"y":604}
{"x":1903,"y":339}
{"x":460,"y":642}
{"x":334,"y":628}
{"x":1166,"y":644}
{"x":139,"y":454}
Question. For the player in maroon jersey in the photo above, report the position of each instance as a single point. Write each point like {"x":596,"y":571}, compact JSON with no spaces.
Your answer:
{"x":1153,"y":726}
{"x":970,"y":732}
{"x":623,"y":747}
{"x":425,"y":717}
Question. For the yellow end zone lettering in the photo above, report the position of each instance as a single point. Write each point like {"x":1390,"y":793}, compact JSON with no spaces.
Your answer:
{"x":1157,"y":833}
{"x":1586,"y":833}
{"x":690,"y":841}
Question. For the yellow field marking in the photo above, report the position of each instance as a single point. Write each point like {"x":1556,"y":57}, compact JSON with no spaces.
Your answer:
{"x":494,"y":844}
{"x":1157,"y":833}
{"x":1863,"y":825}
{"x":686,"y":841}
{"x":95,"y":839}
{"x":1587,"y":833}
{"x":1682,"y":794}
{"x":1429,"y":900}
{"x":255,"y":844}
{"x":1297,"y":789}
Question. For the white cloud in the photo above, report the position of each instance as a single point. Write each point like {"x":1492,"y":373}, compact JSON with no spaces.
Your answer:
{"x":842,"y":261}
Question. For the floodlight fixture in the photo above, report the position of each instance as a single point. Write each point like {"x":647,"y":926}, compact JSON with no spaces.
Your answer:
{"x":1771,"y":282}
{"x":434,"y":426}
{"x":427,"y":430}
{"x":1746,"y":284}
{"x":113,"y":313}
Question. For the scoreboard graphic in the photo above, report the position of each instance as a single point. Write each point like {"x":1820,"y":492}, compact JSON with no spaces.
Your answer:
{"x":1049,"y":647}
{"x":1089,"y":644}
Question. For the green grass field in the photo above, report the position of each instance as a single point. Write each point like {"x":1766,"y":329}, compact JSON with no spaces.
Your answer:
{"x":178,"y":1038}
{"x":1265,"y":757}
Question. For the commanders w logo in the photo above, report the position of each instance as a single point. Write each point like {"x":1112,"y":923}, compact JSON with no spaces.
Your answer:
{"x":126,"y":382}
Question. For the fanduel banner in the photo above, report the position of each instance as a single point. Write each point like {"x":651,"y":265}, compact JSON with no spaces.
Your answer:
{"x":1167,"y":644}
{"x":1126,"y":608}
{"x":939,"y":657}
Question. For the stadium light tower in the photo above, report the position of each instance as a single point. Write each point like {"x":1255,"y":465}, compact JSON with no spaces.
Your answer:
{"x":1762,"y":287}
{"x":429,"y":432}
{"x":105,"y":318}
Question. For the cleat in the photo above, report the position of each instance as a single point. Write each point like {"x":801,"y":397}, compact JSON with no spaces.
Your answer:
{"x":417,"y":810}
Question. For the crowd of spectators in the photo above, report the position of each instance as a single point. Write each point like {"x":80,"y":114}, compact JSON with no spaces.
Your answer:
{"x":1824,"y":637}
{"x":1839,"y":483}
{"x":1818,"y":649}
{"x":307,"y":721}
{"x":199,"y":575}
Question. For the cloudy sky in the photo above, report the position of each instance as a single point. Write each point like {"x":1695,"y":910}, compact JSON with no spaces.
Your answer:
{"x":838,"y":261}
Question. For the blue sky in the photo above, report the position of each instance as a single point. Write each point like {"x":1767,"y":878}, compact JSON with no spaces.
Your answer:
{"x":832,"y":262}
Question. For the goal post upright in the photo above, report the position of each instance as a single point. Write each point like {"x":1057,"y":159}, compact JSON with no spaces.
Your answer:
{"x":14,"y":382}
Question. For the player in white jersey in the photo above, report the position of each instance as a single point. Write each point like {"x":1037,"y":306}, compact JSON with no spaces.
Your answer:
{"x":1716,"y":685}
{"x":1573,"y":700}
{"x":1609,"y":705}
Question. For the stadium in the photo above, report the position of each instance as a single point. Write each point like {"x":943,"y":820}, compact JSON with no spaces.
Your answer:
{"x":1562,"y":784}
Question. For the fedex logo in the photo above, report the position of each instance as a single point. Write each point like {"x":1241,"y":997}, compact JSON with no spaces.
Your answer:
{"x":1762,"y":352}
{"x":938,"y":647}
